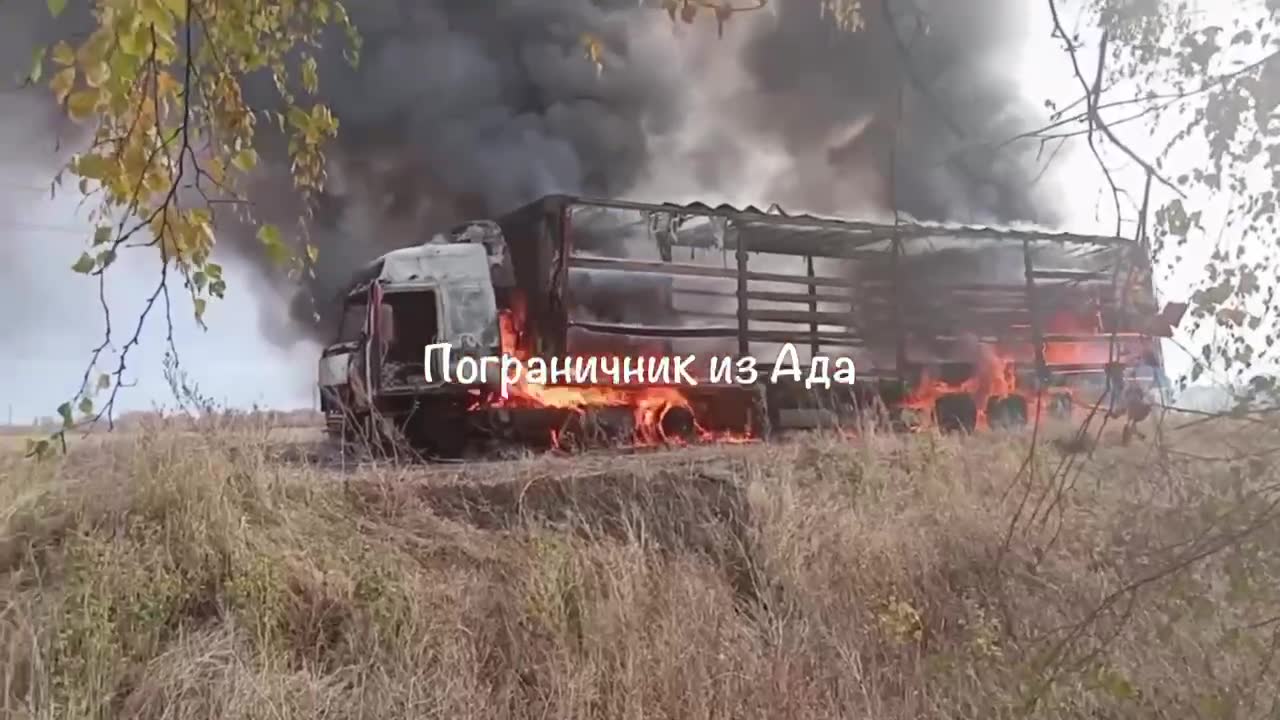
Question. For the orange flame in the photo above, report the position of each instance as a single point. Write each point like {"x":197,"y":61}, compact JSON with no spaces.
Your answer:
{"x":1080,"y":352}
{"x":650,"y":405}
{"x":992,"y":377}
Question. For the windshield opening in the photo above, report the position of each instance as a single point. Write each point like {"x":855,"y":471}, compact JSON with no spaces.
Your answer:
{"x":411,"y":324}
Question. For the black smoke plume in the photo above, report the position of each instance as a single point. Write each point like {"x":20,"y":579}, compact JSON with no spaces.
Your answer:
{"x":470,"y":108}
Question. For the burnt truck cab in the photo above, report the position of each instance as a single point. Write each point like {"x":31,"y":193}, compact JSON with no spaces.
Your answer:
{"x":439,"y":292}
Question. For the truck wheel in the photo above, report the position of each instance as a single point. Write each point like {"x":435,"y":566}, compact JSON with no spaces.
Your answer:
{"x":1007,"y":413}
{"x":956,"y":412}
{"x":441,"y":431}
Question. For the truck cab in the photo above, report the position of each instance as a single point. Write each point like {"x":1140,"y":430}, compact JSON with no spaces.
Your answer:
{"x":439,"y":292}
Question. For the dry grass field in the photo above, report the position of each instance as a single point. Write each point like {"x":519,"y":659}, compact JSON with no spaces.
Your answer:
{"x":229,"y":573}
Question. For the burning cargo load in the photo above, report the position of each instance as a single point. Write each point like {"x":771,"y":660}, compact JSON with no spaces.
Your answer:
{"x":964,"y":327}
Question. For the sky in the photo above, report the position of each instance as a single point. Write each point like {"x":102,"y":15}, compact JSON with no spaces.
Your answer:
{"x":233,"y":364}
{"x":230,"y":362}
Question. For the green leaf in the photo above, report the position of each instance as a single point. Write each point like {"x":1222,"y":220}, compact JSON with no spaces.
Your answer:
{"x":86,"y":406}
{"x":104,"y":381}
{"x":200,"y":305}
{"x":84,"y":265}
{"x":269,"y":236}
{"x":65,"y":411}
{"x":103,"y":235}
{"x":56,"y":7}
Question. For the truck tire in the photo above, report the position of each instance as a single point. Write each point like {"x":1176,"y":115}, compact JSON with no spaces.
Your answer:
{"x":956,"y":412}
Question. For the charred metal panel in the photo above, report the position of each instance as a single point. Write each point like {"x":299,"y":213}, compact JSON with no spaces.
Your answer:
{"x":489,"y":235}
{"x":532,"y":236}
{"x":470,"y":314}
{"x":333,"y":369}
{"x":438,"y":263}
{"x":953,"y":283}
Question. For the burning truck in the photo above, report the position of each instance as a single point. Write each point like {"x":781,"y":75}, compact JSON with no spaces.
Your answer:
{"x":954,"y":326}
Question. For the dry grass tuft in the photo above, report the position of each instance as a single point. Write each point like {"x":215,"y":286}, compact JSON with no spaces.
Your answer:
{"x":175,"y":575}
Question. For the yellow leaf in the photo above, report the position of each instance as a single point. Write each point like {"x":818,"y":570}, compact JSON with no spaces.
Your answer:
{"x":152,"y":13}
{"x":133,"y":40}
{"x":594,"y":49}
{"x":157,"y":180}
{"x":37,"y":66}
{"x":168,"y":246}
{"x":184,"y":236}
{"x":119,"y":103}
{"x":95,"y":50}
{"x":63,"y":54}
{"x":310,"y":76}
{"x":80,"y":105}
{"x":299,"y":118}
{"x":166,"y":48}
{"x":178,"y":8}
{"x":207,"y":238}
{"x":61,"y":84}
{"x":216,"y":170}
{"x":95,"y":75}
{"x":245,"y":160}
{"x":93,"y":167}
